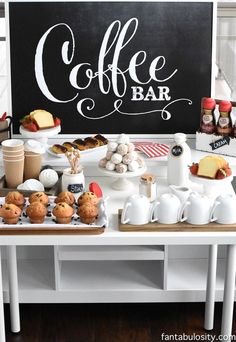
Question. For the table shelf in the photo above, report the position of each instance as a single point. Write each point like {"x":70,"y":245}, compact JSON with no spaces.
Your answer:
{"x":110,"y":253}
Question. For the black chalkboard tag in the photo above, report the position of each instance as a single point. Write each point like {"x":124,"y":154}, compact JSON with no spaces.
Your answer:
{"x":75,"y":188}
{"x":177,"y":150}
{"x":219,"y":143}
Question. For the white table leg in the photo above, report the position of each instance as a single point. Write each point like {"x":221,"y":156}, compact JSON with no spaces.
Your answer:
{"x":13,"y":289}
{"x":2,"y":320}
{"x":211,"y":286}
{"x":229,"y":286}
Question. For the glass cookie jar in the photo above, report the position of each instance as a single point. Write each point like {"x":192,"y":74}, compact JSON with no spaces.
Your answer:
{"x":147,"y":186}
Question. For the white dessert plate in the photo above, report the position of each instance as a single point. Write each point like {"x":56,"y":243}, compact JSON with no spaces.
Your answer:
{"x":90,"y":150}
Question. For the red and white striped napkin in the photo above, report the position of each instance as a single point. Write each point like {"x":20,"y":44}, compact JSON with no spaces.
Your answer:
{"x":152,"y":150}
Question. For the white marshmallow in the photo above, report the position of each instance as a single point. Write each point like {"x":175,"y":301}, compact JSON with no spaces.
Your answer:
{"x":121,"y":168}
{"x":116,"y":158}
{"x":112,"y":146}
{"x":122,"y":149}
{"x":109,"y":155}
{"x":133,"y":166}
{"x":122,"y":139}
{"x":103,"y":162}
{"x":110,"y":166}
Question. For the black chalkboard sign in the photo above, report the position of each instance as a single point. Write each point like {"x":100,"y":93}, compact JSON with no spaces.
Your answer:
{"x":111,"y":67}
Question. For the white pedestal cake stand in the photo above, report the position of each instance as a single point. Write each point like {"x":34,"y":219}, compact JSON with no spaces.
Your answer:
{"x":41,"y":135}
{"x":213,"y":187}
{"x":121,"y":182}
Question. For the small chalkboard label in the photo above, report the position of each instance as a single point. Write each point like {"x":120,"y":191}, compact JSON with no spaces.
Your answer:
{"x":219,"y":143}
{"x":75,"y":188}
{"x":177,"y":150}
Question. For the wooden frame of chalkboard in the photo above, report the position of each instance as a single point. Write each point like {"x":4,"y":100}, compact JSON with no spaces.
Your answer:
{"x":109,"y":67}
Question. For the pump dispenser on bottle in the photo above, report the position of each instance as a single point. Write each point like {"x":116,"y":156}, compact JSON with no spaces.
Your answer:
{"x":179,"y":158}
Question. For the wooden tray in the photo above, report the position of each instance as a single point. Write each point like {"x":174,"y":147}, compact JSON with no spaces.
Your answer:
{"x":177,"y":227}
{"x":50,"y":192}
{"x":22,"y":230}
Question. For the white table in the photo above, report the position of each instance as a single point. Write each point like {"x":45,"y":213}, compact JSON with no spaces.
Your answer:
{"x":113,"y":237}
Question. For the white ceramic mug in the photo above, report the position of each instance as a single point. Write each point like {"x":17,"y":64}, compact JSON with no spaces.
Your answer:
{"x":137,"y":210}
{"x":225,"y":209}
{"x":199,"y":209}
{"x":168,"y":210}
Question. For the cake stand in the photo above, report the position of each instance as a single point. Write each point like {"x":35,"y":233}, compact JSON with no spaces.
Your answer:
{"x":41,"y":135}
{"x":121,"y":182}
{"x":213,"y":187}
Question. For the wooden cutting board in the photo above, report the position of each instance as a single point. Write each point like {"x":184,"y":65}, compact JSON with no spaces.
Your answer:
{"x":177,"y":227}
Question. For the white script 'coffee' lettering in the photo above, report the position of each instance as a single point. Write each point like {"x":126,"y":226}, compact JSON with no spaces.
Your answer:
{"x":39,"y":74}
{"x":110,"y":76}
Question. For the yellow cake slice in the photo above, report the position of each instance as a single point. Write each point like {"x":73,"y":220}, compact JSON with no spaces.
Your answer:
{"x":42,"y":118}
{"x":209,"y":165}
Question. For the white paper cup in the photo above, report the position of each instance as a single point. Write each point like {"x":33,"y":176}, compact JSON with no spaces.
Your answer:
{"x":12,"y":145}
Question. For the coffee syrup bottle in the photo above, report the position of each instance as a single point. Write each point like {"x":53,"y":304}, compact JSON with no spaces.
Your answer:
{"x":224,"y":124}
{"x":208,"y":123}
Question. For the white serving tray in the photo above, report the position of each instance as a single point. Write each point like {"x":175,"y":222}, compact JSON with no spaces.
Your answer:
{"x":50,"y":222}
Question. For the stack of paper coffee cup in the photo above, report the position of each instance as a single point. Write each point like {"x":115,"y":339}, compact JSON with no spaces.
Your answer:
{"x":33,"y":159}
{"x":13,"y":161}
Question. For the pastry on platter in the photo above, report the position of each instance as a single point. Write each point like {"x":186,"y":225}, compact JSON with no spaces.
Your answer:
{"x":58,"y":149}
{"x":39,"y":197}
{"x":10,"y":213}
{"x":36,"y":212}
{"x":91,"y":142}
{"x":65,"y":196}
{"x":70,"y":146}
{"x":63,"y":212}
{"x":81,"y":145}
{"x":212,"y":167}
{"x":15,"y":197}
{"x":88,"y":196}
{"x":87,"y":212}
{"x":101,"y":139}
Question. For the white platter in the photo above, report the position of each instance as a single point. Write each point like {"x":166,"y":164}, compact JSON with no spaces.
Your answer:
{"x":88,"y":151}
{"x":122,"y":183}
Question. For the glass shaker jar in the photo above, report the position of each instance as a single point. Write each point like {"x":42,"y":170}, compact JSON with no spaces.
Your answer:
{"x":147,"y":186}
